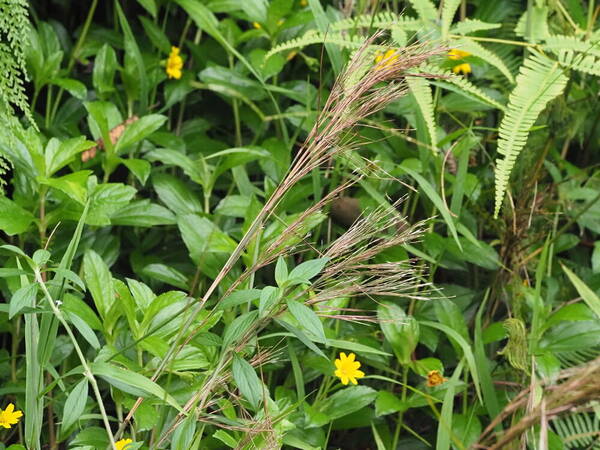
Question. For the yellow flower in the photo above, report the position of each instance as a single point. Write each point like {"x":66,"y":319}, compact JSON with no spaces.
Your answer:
{"x":174,"y":64}
{"x":456,"y":54}
{"x":303,"y":3}
{"x":386,"y":59}
{"x":9,"y":416}
{"x":435,"y":378}
{"x":462,"y":68}
{"x":256,"y":25}
{"x":347,"y":368}
{"x":123,"y":443}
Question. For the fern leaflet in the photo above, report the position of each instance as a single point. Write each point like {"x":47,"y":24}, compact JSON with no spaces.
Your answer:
{"x":472,"y":25}
{"x":421,"y":90}
{"x":462,"y":83}
{"x":580,"y":61}
{"x":488,"y":56}
{"x":540,"y":80}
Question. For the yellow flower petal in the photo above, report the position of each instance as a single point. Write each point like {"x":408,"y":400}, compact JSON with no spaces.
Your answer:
{"x":123,"y":443}
{"x":347,"y":368}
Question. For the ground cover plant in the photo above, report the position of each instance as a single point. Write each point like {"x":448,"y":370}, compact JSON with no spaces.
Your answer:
{"x":299,"y":224}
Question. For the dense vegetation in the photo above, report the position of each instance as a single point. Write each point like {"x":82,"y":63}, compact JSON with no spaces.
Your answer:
{"x":300,"y":224}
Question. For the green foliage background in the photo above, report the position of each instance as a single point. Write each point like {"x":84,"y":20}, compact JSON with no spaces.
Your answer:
{"x":125,"y":194}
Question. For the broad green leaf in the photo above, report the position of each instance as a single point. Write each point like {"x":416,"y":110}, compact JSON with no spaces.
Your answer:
{"x":75,"y":88}
{"x":347,"y":400}
{"x":13,"y":218}
{"x":105,"y":66}
{"x":73,"y":185}
{"x":99,"y":281}
{"x":75,"y":404}
{"x":22,"y":298}
{"x":139,"y":167}
{"x":59,"y":154}
{"x":268,"y":297}
{"x":138,"y":130}
{"x":176,"y":195}
{"x":201,"y":236}
{"x":245,"y":296}
{"x":247,"y":381}
{"x":388,"y":403}
{"x":120,"y":377}
{"x":238,"y":328}
{"x":401,"y":331}
{"x":166,"y":274}
{"x":143,"y":213}
{"x":281,"y":271}
{"x":308,"y":320}
{"x":307,"y":270}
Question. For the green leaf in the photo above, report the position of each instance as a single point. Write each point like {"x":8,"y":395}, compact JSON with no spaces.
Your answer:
{"x":74,"y":405}
{"x":308,"y":320}
{"x":244,"y":296}
{"x":247,"y":381}
{"x":281,"y":271}
{"x":99,"y":281}
{"x":143,"y":213}
{"x":132,"y":51}
{"x":156,"y":35}
{"x":13,"y":218}
{"x":201,"y":235}
{"x":301,"y":336}
{"x":307,"y":270}
{"x":355,"y":347}
{"x":84,"y":329}
{"x":138,"y":130}
{"x":139,"y":167}
{"x":22,"y":298}
{"x":75,"y":88}
{"x":59,"y":154}
{"x":435,"y":199}
{"x":73,"y":185}
{"x":120,"y":377}
{"x":466,"y":348}
{"x":166,"y":274}
{"x":106,"y":200}
{"x":176,"y":195}
{"x":346,"y":401}
{"x":238,"y":328}
{"x":400,"y":330}
{"x":105,"y":66}
{"x":388,"y":403}
{"x":588,"y":296}
{"x":150,"y":6}
{"x":268,"y":297}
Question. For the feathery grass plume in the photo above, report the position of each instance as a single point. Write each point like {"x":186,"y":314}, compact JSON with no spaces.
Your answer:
{"x":572,"y":390}
{"x":332,"y":135}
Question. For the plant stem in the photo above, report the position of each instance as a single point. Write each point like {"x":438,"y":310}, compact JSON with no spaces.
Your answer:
{"x":401,"y":413}
{"x":87,"y":372}
{"x":76,"y":49}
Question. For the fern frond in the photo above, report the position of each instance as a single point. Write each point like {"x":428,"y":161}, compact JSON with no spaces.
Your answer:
{"x":535,"y":27}
{"x":448,"y":12}
{"x":425,"y":9}
{"x":464,"y":85}
{"x":582,"y":62}
{"x":316,"y":37}
{"x":578,"y":430}
{"x":540,"y":80}
{"x":14,"y":36}
{"x":558,"y":42}
{"x":381,"y":21}
{"x":421,"y":90}
{"x":516,"y":347}
{"x":488,"y":56}
{"x":472,"y":25}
